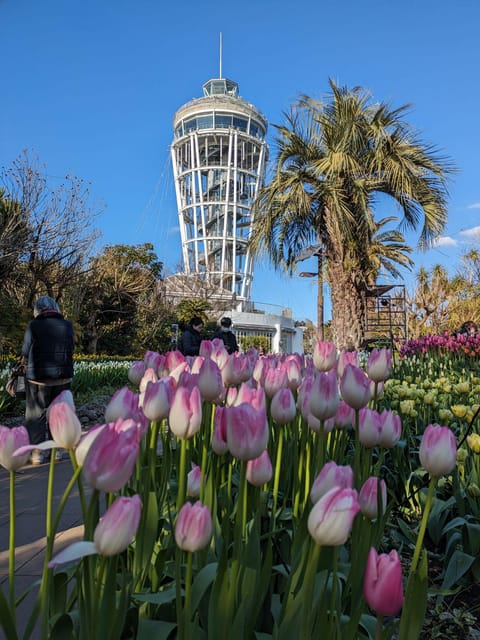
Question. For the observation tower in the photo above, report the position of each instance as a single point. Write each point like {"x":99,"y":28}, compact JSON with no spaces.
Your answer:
{"x":219,"y":156}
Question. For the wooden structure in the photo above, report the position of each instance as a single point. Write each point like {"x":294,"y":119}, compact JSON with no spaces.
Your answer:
{"x":386,"y":315}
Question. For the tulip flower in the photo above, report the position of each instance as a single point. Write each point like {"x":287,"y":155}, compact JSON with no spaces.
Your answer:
{"x":324,"y":397}
{"x":64,"y":425}
{"x":344,"y":358}
{"x":379,"y":364}
{"x":173,"y":359}
{"x":10,"y":441}
{"x":111,"y":458}
{"x":153,"y":360}
{"x":185,"y":416}
{"x":331,"y":518}
{"x":194,"y":480}
{"x":236,"y":369}
{"x":86,"y":442}
{"x":249,"y":395}
{"x":219,"y":436}
{"x":324,"y":355}
{"x":368,"y":497}
{"x":124,"y":404}
{"x":136,"y":371}
{"x":282,"y":407}
{"x":150,"y":375}
{"x":369,"y":427}
{"x":113,"y":533}
{"x":382,"y":584}
{"x":331,"y":475}
{"x":247,"y":431}
{"x":294,"y":373}
{"x":157,"y":398}
{"x":275,"y":379}
{"x":438,"y":450}
{"x":355,"y":387}
{"x":345,"y":416}
{"x":210,"y":380}
{"x":259,"y":470}
{"x":390,"y":429}
{"x":193,"y":528}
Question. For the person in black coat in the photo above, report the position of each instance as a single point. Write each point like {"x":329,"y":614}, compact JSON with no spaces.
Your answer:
{"x":192,"y":337}
{"x":48,"y":355}
{"x":226,"y":334}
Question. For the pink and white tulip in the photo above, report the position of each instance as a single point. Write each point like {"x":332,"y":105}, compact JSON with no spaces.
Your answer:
{"x":247,"y":431}
{"x":324,"y":355}
{"x":355,"y":387}
{"x":193,"y":528}
{"x":259,"y":470}
{"x":64,"y":425}
{"x":438,"y":450}
{"x":324,"y":396}
{"x":368,"y":497}
{"x":331,"y":518}
{"x":10,"y":441}
{"x":282,"y":407}
{"x":185,"y":417}
{"x":194,"y":481}
{"x":379,"y":364}
{"x":382,"y":584}
{"x":331,"y":475}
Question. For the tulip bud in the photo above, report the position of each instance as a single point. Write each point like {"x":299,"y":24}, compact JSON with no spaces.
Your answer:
{"x":368,"y":427}
{"x":194,"y":480}
{"x":368,"y":497}
{"x":150,"y":375}
{"x":64,"y":425}
{"x":111,"y":458}
{"x":124,"y":404}
{"x":382,"y":584}
{"x":324,"y":355}
{"x":473,"y":441}
{"x":355,"y":387}
{"x":210,"y":380}
{"x":86,"y":442}
{"x":136,"y":371}
{"x":118,"y":526}
{"x":219,"y":436}
{"x":344,"y":358}
{"x":345,"y":416}
{"x":185,"y":416}
{"x":157,"y":398}
{"x":331,"y":475}
{"x":259,"y":470}
{"x":438,"y":450}
{"x":390,"y":429}
{"x":379,"y":364}
{"x":11,"y":440}
{"x":193,"y":528}
{"x":324,"y":397}
{"x":247,"y":431}
{"x":275,"y":379}
{"x":282,"y":407}
{"x":331,"y":518}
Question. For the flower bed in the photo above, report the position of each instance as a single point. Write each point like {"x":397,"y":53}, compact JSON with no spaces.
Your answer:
{"x":273,"y":497}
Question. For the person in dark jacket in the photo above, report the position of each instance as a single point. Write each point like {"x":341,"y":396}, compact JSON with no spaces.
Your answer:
{"x":192,"y":337}
{"x":48,"y":355}
{"x":226,"y":334}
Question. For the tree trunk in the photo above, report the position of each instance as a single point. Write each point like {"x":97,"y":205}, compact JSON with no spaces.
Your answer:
{"x":348,"y":309}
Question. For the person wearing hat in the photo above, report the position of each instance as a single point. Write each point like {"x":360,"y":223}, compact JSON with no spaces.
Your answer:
{"x":192,"y":337}
{"x":226,"y":334}
{"x":48,"y":355}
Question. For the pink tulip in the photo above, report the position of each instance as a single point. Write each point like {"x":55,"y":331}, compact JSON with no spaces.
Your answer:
{"x":390,"y":429}
{"x":194,"y":481}
{"x":11,"y":440}
{"x":331,"y":518}
{"x":282,"y":407}
{"x":275,"y":379}
{"x":368,"y":497}
{"x":438,"y":450}
{"x":355,"y":387}
{"x":260,"y":370}
{"x":157,"y":399}
{"x":118,"y":526}
{"x":247,"y":431}
{"x":193,"y":528}
{"x":219,"y":436}
{"x":86,"y":442}
{"x":324,"y":397}
{"x":382,"y":584}
{"x":344,"y":358}
{"x":237,"y":369}
{"x":64,"y":425}
{"x":64,"y":396}
{"x":124,"y":404}
{"x":294,"y":373}
{"x":153,"y":360}
{"x":248,"y":395}
{"x":111,"y":458}
{"x":259,"y":470}
{"x":324,"y":355}
{"x":379,"y":391}
{"x":369,"y":427}
{"x":150,"y":375}
{"x":185,"y":416}
{"x":331,"y":475}
{"x":174,"y":359}
{"x":345,"y":416}
{"x":210,"y":380}
{"x":379,"y":364}
{"x":136,"y":371}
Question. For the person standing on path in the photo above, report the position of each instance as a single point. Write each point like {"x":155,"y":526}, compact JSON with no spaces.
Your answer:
{"x":226,"y":334}
{"x":192,"y":337}
{"x":48,"y":355}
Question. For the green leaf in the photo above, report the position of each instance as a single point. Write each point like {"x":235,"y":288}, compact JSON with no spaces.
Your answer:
{"x":415,"y":604}
{"x":63,"y":628}
{"x":158,"y":629}
{"x":160,"y":597}
{"x":473,"y":534}
{"x":203,"y":580}
{"x":6,"y":620}
{"x":458,"y":566}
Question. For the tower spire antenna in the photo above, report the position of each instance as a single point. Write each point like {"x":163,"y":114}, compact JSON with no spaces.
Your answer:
{"x":220,"y":76}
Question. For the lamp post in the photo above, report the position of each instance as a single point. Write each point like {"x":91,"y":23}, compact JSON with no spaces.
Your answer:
{"x":309,"y":252}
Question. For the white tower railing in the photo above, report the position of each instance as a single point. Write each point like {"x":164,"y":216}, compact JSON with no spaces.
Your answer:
{"x":219,"y":155}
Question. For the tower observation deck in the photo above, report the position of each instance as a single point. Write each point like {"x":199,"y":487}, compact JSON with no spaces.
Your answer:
{"x":219,"y":155}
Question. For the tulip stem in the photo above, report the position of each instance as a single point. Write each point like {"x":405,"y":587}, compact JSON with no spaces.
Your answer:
{"x":276,"y":481}
{"x":423,"y":525}
{"x":356,"y":459}
{"x":182,"y":474}
{"x":308,"y":609}
{"x":188,"y":595}
{"x":11,"y":559}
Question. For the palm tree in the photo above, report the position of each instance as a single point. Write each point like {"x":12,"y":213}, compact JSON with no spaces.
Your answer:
{"x":332,"y":159}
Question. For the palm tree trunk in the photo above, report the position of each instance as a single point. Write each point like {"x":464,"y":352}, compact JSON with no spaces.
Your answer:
{"x":348,"y":313}
{"x":320,"y":329}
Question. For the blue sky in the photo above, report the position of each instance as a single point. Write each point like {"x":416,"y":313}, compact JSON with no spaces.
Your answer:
{"x":92,"y":86}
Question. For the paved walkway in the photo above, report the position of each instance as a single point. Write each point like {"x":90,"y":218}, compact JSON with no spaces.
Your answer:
{"x":30,"y":498}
